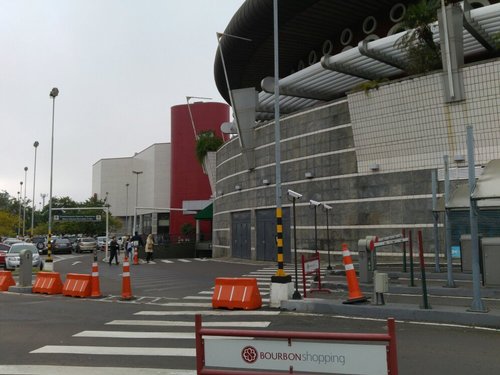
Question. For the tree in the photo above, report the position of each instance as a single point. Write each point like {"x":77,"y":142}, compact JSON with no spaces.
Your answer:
{"x":8,"y":223}
{"x":424,"y":54}
{"x":207,"y":141}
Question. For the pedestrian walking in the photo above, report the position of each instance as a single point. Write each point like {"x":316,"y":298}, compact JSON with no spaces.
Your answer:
{"x":113,"y":247}
{"x":149,"y":247}
{"x":128,"y":247}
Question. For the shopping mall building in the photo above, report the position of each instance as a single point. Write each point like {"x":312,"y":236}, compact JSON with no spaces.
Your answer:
{"x":357,"y":130}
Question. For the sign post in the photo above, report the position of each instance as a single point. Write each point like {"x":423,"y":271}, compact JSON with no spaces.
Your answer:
{"x":275,"y":352}
{"x":311,"y":266}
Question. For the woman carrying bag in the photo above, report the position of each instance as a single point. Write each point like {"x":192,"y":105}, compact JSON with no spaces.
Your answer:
{"x":149,"y":248}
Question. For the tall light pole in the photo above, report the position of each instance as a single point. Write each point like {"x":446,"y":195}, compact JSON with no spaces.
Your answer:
{"x":19,"y":195}
{"x":327,"y":208}
{"x":126,"y":209}
{"x":24,"y":200}
{"x":43,"y":196}
{"x":137,"y":173}
{"x":53,"y":94}
{"x":35,"y":145}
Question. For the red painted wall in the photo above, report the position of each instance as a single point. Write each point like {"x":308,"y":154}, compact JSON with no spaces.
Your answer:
{"x":188,"y":182}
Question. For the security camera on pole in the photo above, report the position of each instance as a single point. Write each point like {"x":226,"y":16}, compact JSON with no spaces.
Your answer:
{"x":314,"y":204}
{"x":327,"y":208}
{"x":294,"y":195}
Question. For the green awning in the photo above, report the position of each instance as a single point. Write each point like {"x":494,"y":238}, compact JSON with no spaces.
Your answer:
{"x":206,"y":214}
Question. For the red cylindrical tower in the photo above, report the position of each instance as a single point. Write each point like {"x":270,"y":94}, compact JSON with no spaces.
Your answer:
{"x":188,"y":182}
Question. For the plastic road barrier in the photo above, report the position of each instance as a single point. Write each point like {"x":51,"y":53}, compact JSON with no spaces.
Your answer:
{"x":48,"y":283}
{"x":77,"y":285}
{"x":6,"y":280}
{"x":236,"y":293}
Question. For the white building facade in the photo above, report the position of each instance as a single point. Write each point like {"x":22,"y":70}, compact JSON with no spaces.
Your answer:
{"x":148,"y":191}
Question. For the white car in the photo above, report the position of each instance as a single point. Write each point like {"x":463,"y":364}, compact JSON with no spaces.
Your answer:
{"x":12,"y":258}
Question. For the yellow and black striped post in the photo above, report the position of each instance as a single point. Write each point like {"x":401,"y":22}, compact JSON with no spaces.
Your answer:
{"x":49,"y":248}
{"x":279,"y":241}
{"x":280,"y":276}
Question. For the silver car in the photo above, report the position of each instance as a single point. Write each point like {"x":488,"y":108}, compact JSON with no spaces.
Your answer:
{"x":86,"y":244}
{"x":12,"y":259}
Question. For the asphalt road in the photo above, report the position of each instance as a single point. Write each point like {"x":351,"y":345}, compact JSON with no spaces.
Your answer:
{"x":62,"y":335}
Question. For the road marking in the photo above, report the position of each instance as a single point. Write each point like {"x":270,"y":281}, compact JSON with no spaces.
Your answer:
{"x":184,"y":260}
{"x":202,"y":259}
{"x":85,"y":370}
{"x":208,"y":312}
{"x":143,"y":335}
{"x":75,"y":263}
{"x":177,"y":323}
{"x":166,"y":261}
{"x":113,"y":350}
{"x":187,"y":304}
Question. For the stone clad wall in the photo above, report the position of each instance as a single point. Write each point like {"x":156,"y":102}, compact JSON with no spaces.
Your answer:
{"x":404,"y":126}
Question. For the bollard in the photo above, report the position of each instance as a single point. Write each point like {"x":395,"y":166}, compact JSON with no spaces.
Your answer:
{"x":25,"y":268}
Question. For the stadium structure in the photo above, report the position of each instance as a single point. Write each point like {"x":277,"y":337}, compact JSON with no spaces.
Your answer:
{"x":359,"y":130}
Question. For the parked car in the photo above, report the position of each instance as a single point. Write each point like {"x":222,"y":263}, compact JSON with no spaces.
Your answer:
{"x":12,"y":258}
{"x":3,"y":251}
{"x":101,"y":242}
{"x":40,"y":242}
{"x":10,"y":241}
{"x":62,"y":245}
{"x":86,"y":244}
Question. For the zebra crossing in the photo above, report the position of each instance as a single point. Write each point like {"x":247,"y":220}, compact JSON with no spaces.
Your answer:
{"x":177,"y":330}
{"x":171,"y":321}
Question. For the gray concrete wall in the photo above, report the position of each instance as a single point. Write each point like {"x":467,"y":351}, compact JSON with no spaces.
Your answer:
{"x":405,"y":126}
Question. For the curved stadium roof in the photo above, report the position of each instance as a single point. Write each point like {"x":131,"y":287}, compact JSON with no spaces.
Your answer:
{"x":305,"y":25}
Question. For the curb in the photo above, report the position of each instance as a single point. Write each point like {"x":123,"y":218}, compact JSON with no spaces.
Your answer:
{"x":438,"y":314}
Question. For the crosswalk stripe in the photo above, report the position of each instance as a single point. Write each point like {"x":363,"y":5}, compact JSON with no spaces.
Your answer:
{"x":209,"y":312}
{"x":142,"y":335}
{"x":187,"y":304}
{"x":166,"y":261}
{"x":184,"y":260}
{"x":115,"y":350}
{"x":177,"y":323}
{"x":202,"y":259}
{"x":85,"y":370}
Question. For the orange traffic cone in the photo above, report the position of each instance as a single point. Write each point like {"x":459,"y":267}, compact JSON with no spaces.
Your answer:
{"x":355,"y":294}
{"x":126,"y":289}
{"x":96,"y":291}
{"x":136,"y":256}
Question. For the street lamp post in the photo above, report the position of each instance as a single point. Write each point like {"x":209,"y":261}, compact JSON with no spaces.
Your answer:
{"x":19,"y":194}
{"x":126,"y":208}
{"x":137,"y":173}
{"x":35,"y":145}
{"x":295,"y":196}
{"x":327,"y":208}
{"x":24,"y":201}
{"x":314,"y":204}
{"x":53,"y":94}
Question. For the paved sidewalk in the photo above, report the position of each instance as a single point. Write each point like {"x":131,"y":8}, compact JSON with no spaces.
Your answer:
{"x":404,"y":302}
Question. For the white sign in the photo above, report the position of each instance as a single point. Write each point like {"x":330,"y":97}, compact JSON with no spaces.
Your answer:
{"x":316,"y":357}
{"x":311,"y":265}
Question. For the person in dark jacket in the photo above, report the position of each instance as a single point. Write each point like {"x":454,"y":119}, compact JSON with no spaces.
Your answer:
{"x":113,"y":248}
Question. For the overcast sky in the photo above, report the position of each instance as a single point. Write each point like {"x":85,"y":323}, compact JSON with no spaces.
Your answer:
{"x":119,"y":66}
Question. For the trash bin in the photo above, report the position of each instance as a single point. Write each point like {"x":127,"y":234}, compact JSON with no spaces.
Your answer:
{"x":490,"y":247}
